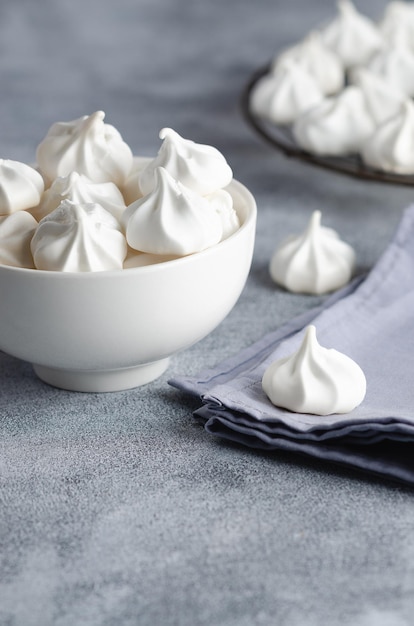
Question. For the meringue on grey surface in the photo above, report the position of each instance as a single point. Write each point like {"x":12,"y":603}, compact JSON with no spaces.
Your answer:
{"x":316,"y":261}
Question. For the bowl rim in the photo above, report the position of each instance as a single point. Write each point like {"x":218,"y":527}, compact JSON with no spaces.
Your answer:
{"x":251,"y":213}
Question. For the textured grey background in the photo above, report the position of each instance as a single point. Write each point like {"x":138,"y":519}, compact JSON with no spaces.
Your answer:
{"x":118,"y":509}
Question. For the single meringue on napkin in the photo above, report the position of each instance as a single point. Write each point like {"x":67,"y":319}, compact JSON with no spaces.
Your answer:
{"x":382,"y":99}
{"x":335,"y":127}
{"x":391,"y":146}
{"x":79,"y":189}
{"x":21,"y":186}
{"x":16,"y":232}
{"x":86,"y":145}
{"x":79,"y":238}
{"x":172,"y":219}
{"x":351,"y":35}
{"x":314,"y":262}
{"x":395,"y":64}
{"x":315,"y":380}
{"x":199,"y":167}
{"x":317,"y":60}
{"x":283,"y":95}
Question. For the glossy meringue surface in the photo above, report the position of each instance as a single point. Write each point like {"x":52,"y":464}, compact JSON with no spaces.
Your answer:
{"x":315,"y":380}
{"x":78,"y":238}
{"x":86,"y":145}
{"x":200,"y":167}
{"x":21,"y":186}
{"x":316,"y":261}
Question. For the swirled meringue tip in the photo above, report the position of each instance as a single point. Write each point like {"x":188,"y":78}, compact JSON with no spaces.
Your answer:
{"x":199,"y":167}
{"x":86,"y":145}
{"x":315,"y":380}
{"x":316,"y":261}
{"x":78,"y":188}
{"x":316,"y":58}
{"x":352,"y":35}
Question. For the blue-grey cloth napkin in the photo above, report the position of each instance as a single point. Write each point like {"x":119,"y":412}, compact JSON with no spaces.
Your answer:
{"x":372,"y":321}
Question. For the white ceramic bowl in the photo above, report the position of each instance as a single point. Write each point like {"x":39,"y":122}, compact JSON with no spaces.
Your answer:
{"x":107,"y":331}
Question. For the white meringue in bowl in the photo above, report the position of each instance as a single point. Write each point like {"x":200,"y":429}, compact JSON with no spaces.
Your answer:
{"x":21,"y":186}
{"x":86,"y":145}
{"x":78,"y":238}
{"x":16,"y":232}
{"x":285,"y":94}
{"x":316,"y":261}
{"x":335,"y":127}
{"x":351,"y":35}
{"x":113,"y":330}
{"x":172,"y":219}
{"x":391,"y":147}
{"x":315,"y":380}
{"x":316,"y":59}
{"x":79,"y":189}
{"x":199,"y":167}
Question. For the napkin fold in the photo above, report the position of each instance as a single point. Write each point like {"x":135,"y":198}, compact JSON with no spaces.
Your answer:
{"x":372,"y":321}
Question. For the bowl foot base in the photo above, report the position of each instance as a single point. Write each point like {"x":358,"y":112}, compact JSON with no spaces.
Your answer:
{"x":95,"y":381}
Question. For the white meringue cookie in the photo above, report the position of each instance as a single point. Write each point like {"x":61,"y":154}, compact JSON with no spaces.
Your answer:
{"x":337,"y":126}
{"x":86,"y":145}
{"x":282,"y":96}
{"x":395,"y":64}
{"x":314,"y":262}
{"x":382,"y":100}
{"x":16,"y":232}
{"x":317,"y":60}
{"x":391,"y":147}
{"x":199,"y":167}
{"x":78,"y":238}
{"x":222,"y":203}
{"x":315,"y":380}
{"x":172,"y":219}
{"x":79,"y":189}
{"x":351,"y":35}
{"x":21,"y":186}
{"x":397,"y":23}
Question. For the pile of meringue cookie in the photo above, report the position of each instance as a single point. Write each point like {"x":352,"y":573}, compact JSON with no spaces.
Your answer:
{"x":347,"y":88}
{"x":88,"y":205}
